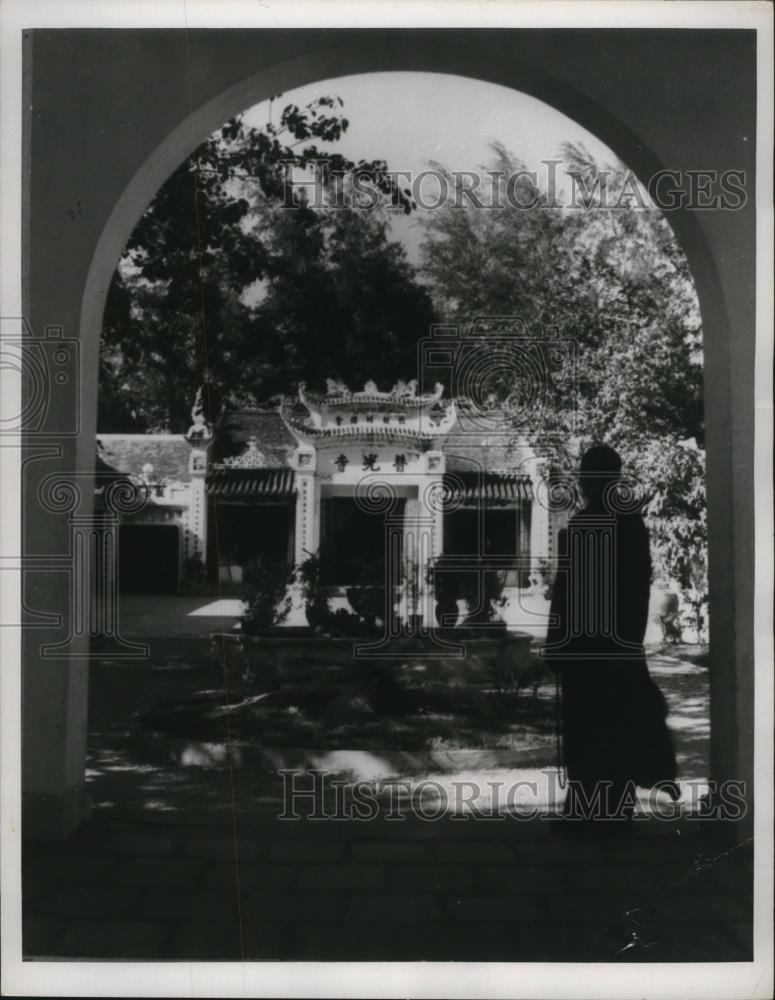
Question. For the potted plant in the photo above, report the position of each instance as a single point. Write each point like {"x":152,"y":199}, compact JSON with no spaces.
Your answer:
{"x":316,"y":603}
{"x":410,"y":588}
{"x":542,"y":578}
{"x":447,"y":590}
{"x":267,"y":605}
{"x":667,"y":612}
{"x":194,"y":577}
{"x":369,"y":597}
{"x":265,"y":594}
{"x":483,"y":592}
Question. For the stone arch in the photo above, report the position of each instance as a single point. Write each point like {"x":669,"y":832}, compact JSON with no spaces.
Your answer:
{"x":635,"y":132}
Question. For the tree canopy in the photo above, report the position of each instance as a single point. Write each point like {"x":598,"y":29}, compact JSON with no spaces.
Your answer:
{"x":612,"y":285}
{"x":236,"y":276}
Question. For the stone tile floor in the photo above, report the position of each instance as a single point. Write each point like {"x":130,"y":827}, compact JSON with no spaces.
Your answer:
{"x":193,"y":887}
{"x":198,"y":882}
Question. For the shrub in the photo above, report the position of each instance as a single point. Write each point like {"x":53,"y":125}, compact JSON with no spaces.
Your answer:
{"x":447,"y":587}
{"x":368,"y":603}
{"x":369,"y":597}
{"x":671,"y":622}
{"x":346,"y":623}
{"x":316,"y":601}
{"x":484,"y":594}
{"x":265,"y":594}
{"x":696,"y":613}
{"x":194,"y":579}
{"x":452,"y":583}
{"x":542,"y":577}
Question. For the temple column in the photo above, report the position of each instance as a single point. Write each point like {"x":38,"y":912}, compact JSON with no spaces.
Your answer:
{"x":429,"y":531}
{"x":196,"y":537}
{"x":199,"y":437}
{"x":540,"y":520}
{"x":411,"y":571}
{"x":307,"y":534}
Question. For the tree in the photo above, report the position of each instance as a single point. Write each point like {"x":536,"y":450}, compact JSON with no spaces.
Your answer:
{"x":235,"y":272}
{"x":678,"y":520}
{"x":616,"y":287}
{"x":342,"y":302}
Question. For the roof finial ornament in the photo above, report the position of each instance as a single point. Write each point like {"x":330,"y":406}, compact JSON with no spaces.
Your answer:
{"x":252,"y":457}
{"x":335,"y":387}
{"x":200,"y":430}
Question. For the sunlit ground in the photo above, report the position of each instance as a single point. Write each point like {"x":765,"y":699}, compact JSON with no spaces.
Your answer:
{"x":133,"y":769}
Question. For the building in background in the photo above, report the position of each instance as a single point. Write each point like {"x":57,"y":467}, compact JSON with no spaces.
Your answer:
{"x":384,"y":479}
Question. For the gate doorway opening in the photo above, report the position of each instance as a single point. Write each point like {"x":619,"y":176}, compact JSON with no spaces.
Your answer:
{"x":149,"y":558}
{"x":243,"y":533}
{"x":353,"y":542}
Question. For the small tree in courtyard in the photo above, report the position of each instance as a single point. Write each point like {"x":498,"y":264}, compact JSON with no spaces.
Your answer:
{"x":267,"y":602}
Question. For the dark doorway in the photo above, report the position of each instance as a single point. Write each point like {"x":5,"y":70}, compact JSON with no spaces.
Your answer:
{"x":244,"y":532}
{"x":148,"y":558}
{"x":353,"y":541}
{"x":502,"y":534}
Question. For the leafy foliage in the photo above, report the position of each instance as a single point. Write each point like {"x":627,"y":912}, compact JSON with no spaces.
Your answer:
{"x":265,"y":595}
{"x":677,"y":515}
{"x":481,"y":590}
{"x":235,"y":272}
{"x":370,"y":598}
{"x":316,"y":602}
{"x":614,"y":284}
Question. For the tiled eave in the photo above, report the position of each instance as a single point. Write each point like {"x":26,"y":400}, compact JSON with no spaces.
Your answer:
{"x":251,"y":484}
{"x":488,"y":489}
{"x":366,"y":432}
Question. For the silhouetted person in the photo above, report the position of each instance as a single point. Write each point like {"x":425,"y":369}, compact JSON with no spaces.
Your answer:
{"x":614,"y":732}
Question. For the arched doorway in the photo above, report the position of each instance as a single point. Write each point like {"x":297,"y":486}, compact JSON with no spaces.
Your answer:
{"x":637,"y":127}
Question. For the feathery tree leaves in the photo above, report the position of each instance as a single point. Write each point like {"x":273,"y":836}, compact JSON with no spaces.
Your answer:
{"x":245,"y":270}
{"x":604,"y":272}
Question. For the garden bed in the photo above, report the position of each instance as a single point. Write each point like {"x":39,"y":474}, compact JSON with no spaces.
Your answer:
{"x":459,"y":655}
{"x":407,"y":705}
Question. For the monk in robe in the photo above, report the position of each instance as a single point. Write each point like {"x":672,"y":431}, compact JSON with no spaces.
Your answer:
{"x":612,"y":715}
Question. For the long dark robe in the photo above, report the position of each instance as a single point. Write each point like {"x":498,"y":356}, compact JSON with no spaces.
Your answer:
{"x":612,"y":713}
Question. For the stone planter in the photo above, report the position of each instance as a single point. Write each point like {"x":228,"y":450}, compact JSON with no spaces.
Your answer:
{"x":279,"y":654}
{"x":456,"y":655}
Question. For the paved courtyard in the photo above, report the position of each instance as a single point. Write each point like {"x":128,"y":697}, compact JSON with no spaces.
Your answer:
{"x":206,"y":889}
{"x":183,"y":863}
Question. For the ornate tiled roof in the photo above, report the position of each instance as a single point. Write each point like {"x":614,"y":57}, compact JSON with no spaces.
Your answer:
{"x":230,"y":483}
{"x":485,"y":445}
{"x":403,"y":394}
{"x":367,"y":432}
{"x":490,"y":489}
{"x":127,"y":453}
{"x":372,"y":414}
{"x":236,"y":428}
{"x":251,"y":458}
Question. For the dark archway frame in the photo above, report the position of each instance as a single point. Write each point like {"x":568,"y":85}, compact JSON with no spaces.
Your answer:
{"x":110,"y":114}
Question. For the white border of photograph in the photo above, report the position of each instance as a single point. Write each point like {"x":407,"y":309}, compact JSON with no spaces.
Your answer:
{"x":701,"y":980}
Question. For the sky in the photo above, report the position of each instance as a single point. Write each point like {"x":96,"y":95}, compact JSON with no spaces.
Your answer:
{"x":411,"y":119}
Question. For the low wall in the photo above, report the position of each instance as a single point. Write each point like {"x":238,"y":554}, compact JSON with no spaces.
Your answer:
{"x":461,"y":655}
